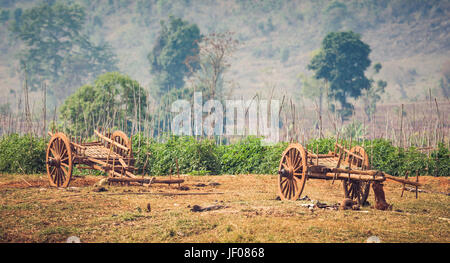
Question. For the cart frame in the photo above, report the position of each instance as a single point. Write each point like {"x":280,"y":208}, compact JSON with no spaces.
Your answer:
{"x":112,"y":153}
{"x":351,"y":166}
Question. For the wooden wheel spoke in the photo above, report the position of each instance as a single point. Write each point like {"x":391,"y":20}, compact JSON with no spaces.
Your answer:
{"x":296,"y":162}
{"x":297,"y":180}
{"x":58,"y":146}
{"x":64,"y":153}
{"x":283,"y":190}
{"x":293,"y":157}
{"x":64,"y":174}
{"x":295,"y":186}
{"x":67,"y":166}
{"x":297,"y":168}
{"x":288,"y":159}
{"x":57,"y":177}
{"x":53,"y":151}
{"x":52,"y":173}
{"x":289,"y":189}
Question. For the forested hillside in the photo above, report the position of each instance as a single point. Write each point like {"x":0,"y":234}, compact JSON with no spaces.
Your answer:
{"x":277,"y":40}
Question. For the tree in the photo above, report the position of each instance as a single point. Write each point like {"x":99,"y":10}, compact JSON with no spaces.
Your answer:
{"x":212,"y":62}
{"x":115,"y":100}
{"x":57,"y":50}
{"x":177,"y":40}
{"x":341,"y":62}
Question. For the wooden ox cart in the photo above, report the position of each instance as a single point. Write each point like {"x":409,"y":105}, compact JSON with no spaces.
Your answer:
{"x":351,"y":166}
{"x":111,"y":153}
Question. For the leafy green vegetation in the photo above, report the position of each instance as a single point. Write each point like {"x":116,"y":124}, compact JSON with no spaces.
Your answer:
{"x":25,"y":154}
{"x":22,"y":154}
{"x":177,"y":41}
{"x":114,"y":97}
{"x":341,"y":62}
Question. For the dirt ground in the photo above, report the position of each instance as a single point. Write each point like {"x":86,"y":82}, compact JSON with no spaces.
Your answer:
{"x":241,"y":208}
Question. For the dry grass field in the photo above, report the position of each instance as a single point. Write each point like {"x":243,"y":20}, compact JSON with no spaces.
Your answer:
{"x":249,"y":211}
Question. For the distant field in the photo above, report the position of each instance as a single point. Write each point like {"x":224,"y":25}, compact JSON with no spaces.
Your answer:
{"x":31,"y":211}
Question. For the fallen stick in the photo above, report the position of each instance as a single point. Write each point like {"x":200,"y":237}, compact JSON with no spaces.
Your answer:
{"x":197,"y":208}
{"x":26,"y":182}
{"x":146,"y":180}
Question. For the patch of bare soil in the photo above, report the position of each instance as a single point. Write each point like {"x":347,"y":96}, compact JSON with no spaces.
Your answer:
{"x":43,"y":182}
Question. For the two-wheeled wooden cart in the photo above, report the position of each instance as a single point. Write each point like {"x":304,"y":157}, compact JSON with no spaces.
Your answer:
{"x":351,"y":166}
{"x":111,"y":153}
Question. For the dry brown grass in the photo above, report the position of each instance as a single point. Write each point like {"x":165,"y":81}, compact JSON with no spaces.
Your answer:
{"x":252,"y":213}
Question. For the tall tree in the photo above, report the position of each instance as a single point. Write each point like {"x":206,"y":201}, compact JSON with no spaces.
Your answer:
{"x":56,"y":49}
{"x":176,"y":41}
{"x":341,"y":62}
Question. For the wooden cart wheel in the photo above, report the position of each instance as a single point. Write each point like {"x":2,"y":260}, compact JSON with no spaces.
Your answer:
{"x":292,"y":172}
{"x":121,"y":138}
{"x":357,"y":190}
{"x":59,"y":160}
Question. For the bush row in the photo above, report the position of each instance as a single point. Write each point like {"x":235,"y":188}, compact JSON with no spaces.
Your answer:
{"x":26,"y":154}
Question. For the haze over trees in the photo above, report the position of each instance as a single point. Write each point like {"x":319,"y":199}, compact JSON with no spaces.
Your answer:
{"x":277,"y":41}
{"x":55,"y":49}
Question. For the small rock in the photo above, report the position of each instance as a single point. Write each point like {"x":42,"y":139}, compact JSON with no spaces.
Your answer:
{"x":196,"y":208}
{"x":214,"y":184}
{"x":149,"y":209}
{"x":305,"y":198}
{"x":100,"y":189}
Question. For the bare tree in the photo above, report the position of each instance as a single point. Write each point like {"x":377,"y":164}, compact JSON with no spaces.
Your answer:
{"x":215,"y":51}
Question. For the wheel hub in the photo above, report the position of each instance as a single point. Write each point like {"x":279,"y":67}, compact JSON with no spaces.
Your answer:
{"x":55,"y":162}
{"x":286,"y":172}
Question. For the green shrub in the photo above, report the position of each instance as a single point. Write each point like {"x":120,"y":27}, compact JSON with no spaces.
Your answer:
{"x":192,"y":155}
{"x":22,"y":154}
